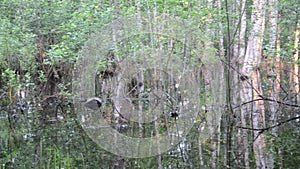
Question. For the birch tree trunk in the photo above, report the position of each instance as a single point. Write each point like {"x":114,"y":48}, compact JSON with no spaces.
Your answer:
{"x":251,"y":72}
{"x":221,"y":54}
{"x":245,"y":89}
{"x":156,"y":124}
{"x":273,"y":73}
{"x":296,"y":63}
{"x":119,"y":162}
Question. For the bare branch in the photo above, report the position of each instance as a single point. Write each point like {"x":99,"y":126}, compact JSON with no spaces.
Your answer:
{"x":268,"y":99}
{"x":261,"y":130}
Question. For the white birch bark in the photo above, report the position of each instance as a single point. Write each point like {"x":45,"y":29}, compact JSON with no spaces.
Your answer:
{"x":221,"y":54}
{"x":245,"y":89}
{"x":119,"y":162}
{"x":251,"y":72}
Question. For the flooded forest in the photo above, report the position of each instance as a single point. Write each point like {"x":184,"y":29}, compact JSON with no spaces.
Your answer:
{"x":144,"y":84}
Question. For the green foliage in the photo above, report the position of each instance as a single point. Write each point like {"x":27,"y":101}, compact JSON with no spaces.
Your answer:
{"x":286,"y":145}
{"x":10,"y":78}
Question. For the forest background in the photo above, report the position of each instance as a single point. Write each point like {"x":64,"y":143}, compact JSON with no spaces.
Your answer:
{"x":249,"y":74}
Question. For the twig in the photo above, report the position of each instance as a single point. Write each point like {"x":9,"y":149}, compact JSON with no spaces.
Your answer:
{"x":261,"y":130}
{"x":267,"y":99}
